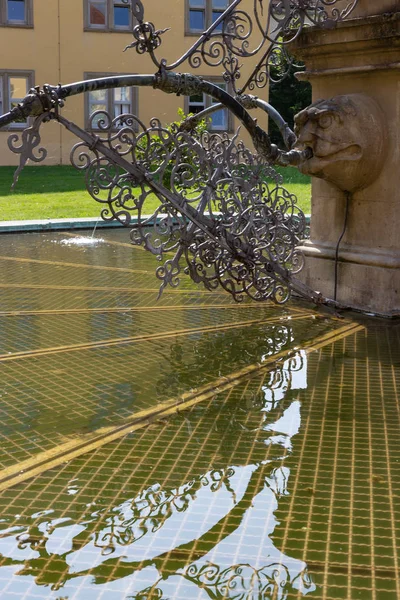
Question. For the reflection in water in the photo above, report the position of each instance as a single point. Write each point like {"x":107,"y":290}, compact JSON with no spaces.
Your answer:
{"x":209,"y":536}
{"x":223,"y":348}
{"x":241,"y":582}
{"x":293,"y":376}
{"x":148,"y":512}
{"x":240,"y":497}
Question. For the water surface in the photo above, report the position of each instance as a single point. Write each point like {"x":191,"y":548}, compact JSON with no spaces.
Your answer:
{"x":284,"y":483}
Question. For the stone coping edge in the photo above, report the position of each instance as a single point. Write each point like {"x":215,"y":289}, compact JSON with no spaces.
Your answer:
{"x":66,"y":224}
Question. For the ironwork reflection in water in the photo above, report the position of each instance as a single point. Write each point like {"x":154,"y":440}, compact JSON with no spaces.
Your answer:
{"x":207,"y":536}
{"x":241,"y":582}
{"x":227,"y":347}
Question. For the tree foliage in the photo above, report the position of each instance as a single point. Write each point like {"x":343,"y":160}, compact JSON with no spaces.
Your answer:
{"x":289,"y":97}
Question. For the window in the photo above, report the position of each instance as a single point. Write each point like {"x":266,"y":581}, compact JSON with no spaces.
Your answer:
{"x":221,"y":120}
{"x":16,"y":13}
{"x":201,"y":14}
{"x":116,"y":101}
{"x":107,"y":15}
{"x":14,"y":86}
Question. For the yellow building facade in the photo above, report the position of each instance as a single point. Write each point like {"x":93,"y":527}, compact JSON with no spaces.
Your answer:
{"x":62,"y":41}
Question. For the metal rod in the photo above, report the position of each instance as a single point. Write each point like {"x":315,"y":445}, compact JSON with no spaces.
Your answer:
{"x":249,"y":102}
{"x":168,"y":82}
{"x":205,"y":36}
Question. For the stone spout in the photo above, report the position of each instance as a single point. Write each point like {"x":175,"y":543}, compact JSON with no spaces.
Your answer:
{"x":354,"y":249}
{"x":346,"y":141}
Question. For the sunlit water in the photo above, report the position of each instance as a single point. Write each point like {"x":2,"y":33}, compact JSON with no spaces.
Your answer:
{"x":81,"y":241}
{"x":283,"y":485}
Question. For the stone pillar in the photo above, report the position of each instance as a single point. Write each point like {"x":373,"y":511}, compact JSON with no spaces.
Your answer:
{"x":359,"y":59}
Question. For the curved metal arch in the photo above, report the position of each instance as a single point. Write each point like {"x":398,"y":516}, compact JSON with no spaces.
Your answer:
{"x":41,"y":101}
{"x":249,"y":102}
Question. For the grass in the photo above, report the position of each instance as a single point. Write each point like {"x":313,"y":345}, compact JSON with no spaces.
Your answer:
{"x":299,"y":185}
{"x":59,"y":192}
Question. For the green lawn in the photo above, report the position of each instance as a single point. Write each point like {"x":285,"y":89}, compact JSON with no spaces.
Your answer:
{"x":59,"y":192}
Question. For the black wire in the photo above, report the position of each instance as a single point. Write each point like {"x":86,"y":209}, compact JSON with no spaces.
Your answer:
{"x":348,"y":195}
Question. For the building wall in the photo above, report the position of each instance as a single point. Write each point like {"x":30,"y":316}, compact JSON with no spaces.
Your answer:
{"x":58,"y":49}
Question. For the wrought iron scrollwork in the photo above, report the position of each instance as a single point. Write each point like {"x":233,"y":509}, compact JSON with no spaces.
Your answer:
{"x":147,"y":38}
{"x":222,"y":210}
{"x":242,"y":34}
{"x":223,"y":216}
{"x":243,"y":581}
{"x":29,"y":147}
{"x":255,"y":223}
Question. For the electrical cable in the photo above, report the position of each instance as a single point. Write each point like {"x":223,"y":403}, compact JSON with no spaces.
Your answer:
{"x":348,"y":196}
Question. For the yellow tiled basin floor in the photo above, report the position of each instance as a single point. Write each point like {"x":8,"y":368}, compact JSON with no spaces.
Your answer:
{"x":188,"y":447}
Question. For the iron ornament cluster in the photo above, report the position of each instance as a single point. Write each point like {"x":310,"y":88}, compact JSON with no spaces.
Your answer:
{"x":262,"y":34}
{"x":229,"y":222}
{"x":223,"y":216}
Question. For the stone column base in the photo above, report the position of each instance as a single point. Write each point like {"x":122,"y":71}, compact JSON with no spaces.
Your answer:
{"x":359,"y":57}
{"x":368,"y":280}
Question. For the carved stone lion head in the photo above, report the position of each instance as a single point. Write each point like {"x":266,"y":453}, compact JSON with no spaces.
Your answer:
{"x":346,"y":138}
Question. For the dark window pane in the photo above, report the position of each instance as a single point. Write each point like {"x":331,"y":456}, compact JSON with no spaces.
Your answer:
{"x":16,"y":10}
{"x":121,"y":16}
{"x":196,"y":20}
{"x":197,"y":98}
{"x":195,"y":109}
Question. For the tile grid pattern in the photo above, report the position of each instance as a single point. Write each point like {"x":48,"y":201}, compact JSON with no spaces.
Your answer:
{"x":349,"y":502}
{"x":344,"y":574}
{"x":341,"y":516}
